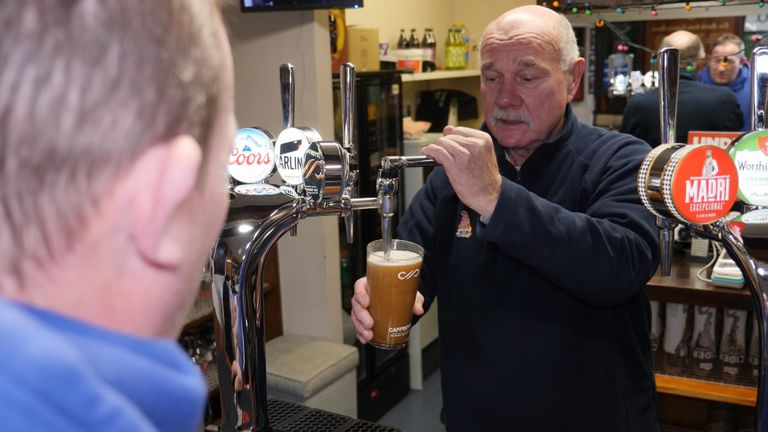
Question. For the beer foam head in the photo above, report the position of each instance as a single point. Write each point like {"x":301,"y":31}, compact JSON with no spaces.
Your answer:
{"x":396,"y":257}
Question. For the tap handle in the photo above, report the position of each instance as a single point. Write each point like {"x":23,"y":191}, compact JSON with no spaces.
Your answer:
{"x":669,"y":79}
{"x":391,"y":165}
{"x":288,"y":99}
{"x":759,"y":88}
{"x":287,"y":93}
{"x":348,"y":76}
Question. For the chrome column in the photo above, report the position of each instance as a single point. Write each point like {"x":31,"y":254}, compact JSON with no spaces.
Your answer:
{"x":669,"y":79}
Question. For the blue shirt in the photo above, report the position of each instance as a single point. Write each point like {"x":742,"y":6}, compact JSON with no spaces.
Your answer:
{"x":59,"y":374}
{"x":740,"y":86}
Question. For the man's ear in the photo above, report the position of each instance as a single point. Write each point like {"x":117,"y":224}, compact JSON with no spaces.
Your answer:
{"x":160,"y":183}
{"x":575,"y":73}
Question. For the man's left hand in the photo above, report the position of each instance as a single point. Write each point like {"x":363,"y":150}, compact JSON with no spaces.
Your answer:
{"x":470,"y":163}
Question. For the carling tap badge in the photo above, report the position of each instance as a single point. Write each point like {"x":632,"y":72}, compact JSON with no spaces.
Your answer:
{"x":464,"y":229}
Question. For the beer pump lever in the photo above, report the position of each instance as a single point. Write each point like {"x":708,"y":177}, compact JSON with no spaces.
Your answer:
{"x":669,"y":78}
{"x":287,"y":93}
{"x":288,"y":102}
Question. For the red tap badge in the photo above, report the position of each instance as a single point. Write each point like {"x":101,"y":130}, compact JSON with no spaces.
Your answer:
{"x":704,"y":184}
{"x":762,"y":143}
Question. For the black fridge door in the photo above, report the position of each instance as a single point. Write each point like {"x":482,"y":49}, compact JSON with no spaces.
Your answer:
{"x":383,"y":375}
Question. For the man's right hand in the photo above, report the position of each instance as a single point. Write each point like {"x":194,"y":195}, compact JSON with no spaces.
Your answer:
{"x":362,"y":319}
{"x":470,"y":164}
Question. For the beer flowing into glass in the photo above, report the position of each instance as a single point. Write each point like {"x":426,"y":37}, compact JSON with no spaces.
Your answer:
{"x":393,"y":280}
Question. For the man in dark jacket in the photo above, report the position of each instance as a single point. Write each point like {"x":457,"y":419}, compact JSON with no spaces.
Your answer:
{"x":728,"y":67}
{"x":699,"y":107}
{"x":544,"y":323}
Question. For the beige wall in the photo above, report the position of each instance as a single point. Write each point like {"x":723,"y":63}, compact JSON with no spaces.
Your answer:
{"x":309,"y":263}
{"x":392,"y":15}
{"x":477,"y":14}
{"x":263,"y":41}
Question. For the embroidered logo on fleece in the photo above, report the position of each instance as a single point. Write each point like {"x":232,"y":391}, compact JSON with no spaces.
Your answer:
{"x":464,"y":229}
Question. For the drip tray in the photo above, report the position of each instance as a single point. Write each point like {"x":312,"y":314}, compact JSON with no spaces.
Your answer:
{"x":291,"y":417}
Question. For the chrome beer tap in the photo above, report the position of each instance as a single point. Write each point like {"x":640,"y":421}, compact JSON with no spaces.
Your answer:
{"x":668,"y":187}
{"x":254,"y":224}
{"x":321,"y":183}
{"x":387,"y":185}
{"x":336,"y":165}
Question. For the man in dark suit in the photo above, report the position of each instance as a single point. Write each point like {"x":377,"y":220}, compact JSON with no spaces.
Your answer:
{"x":699,"y":107}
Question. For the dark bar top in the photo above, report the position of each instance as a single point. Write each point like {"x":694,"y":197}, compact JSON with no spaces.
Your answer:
{"x":291,"y":417}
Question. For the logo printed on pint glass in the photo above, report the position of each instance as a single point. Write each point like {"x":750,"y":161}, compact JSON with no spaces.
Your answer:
{"x":403,"y":275}
{"x":465,"y":228}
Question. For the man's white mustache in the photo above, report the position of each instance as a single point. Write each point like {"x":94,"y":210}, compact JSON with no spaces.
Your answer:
{"x":512,"y":116}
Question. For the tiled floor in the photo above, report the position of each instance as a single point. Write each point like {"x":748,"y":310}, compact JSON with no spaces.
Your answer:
{"x":420,"y":410}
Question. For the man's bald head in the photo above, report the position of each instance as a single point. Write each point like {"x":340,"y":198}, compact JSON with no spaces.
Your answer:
{"x":690,"y":46}
{"x":537,"y":21}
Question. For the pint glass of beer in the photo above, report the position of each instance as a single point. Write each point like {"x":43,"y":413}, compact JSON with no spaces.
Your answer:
{"x":393,"y":281}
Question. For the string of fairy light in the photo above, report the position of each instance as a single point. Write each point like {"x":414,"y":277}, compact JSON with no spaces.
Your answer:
{"x":623,"y":47}
{"x":577,"y":8}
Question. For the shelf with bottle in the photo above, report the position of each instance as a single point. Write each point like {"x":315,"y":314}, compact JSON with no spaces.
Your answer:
{"x":709,"y":379}
{"x":441,"y":74}
{"x":690,"y":369}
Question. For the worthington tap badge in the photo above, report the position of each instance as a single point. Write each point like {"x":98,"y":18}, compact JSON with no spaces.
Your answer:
{"x":751,"y":157}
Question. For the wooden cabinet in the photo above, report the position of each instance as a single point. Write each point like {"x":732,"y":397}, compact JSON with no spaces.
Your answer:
{"x":685,"y":398}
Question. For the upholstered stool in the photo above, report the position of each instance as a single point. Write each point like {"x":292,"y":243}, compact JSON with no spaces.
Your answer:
{"x":313,"y":372}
